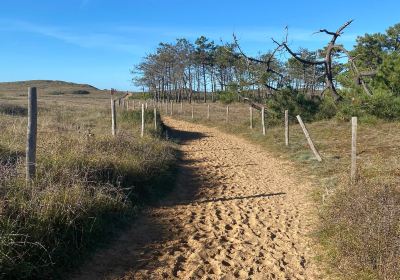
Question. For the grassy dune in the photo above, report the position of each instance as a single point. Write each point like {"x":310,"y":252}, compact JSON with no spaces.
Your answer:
{"x":360,"y":226}
{"x":88,"y":183}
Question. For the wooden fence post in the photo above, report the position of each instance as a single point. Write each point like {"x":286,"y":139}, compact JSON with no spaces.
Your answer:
{"x":353,"y":172}
{"x":310,"y":142}
{"x":208,"y":111}
{"x":251,"y":117}
{"x":32,"y":134}
{"x":142,"y":132}
{"x":263,"y":120}
{"x":155,"y":118}
{"x":113,"y":118}
{"x":286,"y":127}
{"x":227,"y":114}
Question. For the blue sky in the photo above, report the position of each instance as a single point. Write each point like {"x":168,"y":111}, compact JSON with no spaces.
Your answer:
{"x":98,"y":42}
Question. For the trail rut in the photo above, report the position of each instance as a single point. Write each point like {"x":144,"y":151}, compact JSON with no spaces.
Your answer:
{"x":237,"y":212}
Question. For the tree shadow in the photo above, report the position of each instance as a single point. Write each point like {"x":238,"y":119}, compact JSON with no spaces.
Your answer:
{"x":183,"y":136}
{"x":158,"y":230}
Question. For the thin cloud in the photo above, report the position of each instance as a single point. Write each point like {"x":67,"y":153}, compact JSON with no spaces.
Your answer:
{"x":122,"y":37}
{"x":84,"y":3}
{"x":86,"y":40}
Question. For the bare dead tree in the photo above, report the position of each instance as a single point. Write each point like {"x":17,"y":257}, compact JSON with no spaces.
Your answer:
{"x":269,"y":69}
{"x":266,"y":62}
{"x":327,"y":61}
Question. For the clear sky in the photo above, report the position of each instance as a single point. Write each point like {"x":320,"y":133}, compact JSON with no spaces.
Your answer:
{"x":98,"y":41}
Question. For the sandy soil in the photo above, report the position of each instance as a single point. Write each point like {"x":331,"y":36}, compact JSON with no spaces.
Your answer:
{"x":237,"y":212}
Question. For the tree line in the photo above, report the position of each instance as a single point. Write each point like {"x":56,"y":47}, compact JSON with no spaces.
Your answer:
{"x":203,"y":70}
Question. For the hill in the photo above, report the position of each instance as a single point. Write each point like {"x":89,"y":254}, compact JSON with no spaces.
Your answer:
{"x":47,"y":87}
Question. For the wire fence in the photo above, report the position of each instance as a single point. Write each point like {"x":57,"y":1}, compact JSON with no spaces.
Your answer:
{"x":376,"y":149}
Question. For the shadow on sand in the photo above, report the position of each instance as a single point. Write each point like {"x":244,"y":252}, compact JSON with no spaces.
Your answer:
{"x":156,"y":230}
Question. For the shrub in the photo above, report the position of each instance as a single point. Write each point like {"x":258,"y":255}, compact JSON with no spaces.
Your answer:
{"x":384,"y":105}
{"x":13,"y":110}
{"x":327,"y":108}
{"x":80,"y":92}
{"x":227,"y":97}
{"x":297,"y":104}
{"x":381,"y":104}
{"x":350,"y":108}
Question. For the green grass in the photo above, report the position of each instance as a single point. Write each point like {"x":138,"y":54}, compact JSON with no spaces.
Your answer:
{"x":88,"y":186}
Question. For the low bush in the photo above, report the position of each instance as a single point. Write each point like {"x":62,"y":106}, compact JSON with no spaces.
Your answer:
{"x":227,"y":97}
{"x":13,"y":110}
{"x":384,"y":105}
{"x":381,"y":104}
{"x":80,"y":92}
{"x":297,"y":104}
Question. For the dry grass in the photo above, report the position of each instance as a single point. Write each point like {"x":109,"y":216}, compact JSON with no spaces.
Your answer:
{"x":88,"y":183}
{"x":360,"y":224}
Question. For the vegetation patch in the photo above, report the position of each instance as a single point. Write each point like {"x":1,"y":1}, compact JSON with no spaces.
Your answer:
{"x":361,"y":229}
{"x":13,"y":110}
{"x":88,"y":186}
{"x":80,"y":92}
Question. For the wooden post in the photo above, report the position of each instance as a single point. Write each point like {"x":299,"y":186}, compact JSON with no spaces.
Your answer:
{"x":286,"y":127}
{"x":192,"y":112}
{"x":113,"y":118}
{"x":310,"y":142}
{"x":142,"y":132}
{"x":155,"y":118}
{"x":227,"y":114}
{"x":32,"y":134}
{"x":263,"y":120}
{"x":181,"y":107}
{"x":251,"y":117}
{"x":353,"y":172}
{"x":172,"y":108}
{"x":208,"y":111}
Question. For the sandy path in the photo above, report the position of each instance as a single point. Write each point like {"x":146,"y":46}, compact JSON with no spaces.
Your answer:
{"x":237,"y":213}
